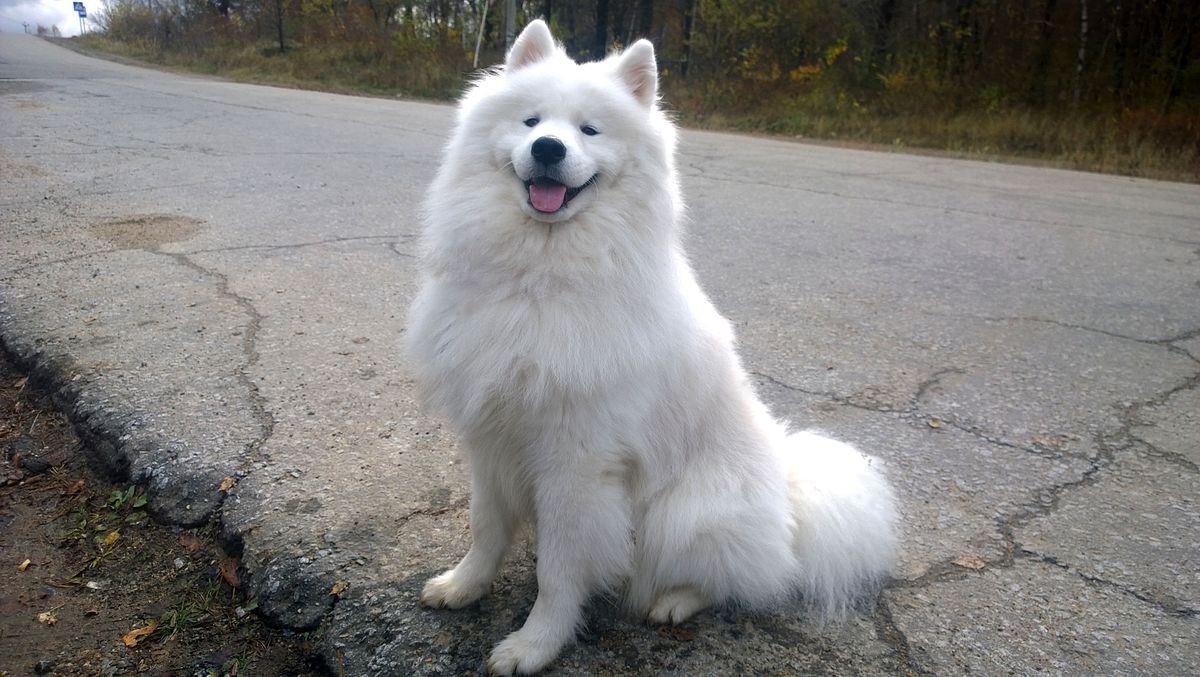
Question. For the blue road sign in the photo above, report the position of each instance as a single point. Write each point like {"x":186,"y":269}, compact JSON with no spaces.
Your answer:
{"x":79,"y":8}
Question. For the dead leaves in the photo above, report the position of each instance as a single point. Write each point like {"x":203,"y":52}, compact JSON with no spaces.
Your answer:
{"x":24,"y":565}
{"x":76,"y":488}
{"x":229,"y":572}
{"x":136,"y":635}
{"x":227,"y":484}
{"x":47,"y":618}
{"x":191,"y":543}
{"x":338,"y":588}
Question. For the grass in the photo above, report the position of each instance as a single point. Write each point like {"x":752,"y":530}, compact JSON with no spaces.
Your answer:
{"x":1131,"y":142}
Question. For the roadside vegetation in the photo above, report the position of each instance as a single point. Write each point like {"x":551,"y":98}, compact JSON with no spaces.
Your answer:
{"x":1109,"y":85}
{"x":92,"y":585}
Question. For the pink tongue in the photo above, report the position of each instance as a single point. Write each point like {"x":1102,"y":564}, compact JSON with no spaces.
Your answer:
{"x":548,"y":196}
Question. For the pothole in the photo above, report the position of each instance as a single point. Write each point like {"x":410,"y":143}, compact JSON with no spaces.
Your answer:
{"x":148,"y":231}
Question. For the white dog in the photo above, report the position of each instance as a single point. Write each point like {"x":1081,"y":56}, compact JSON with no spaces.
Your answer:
{"x":595,"y":387}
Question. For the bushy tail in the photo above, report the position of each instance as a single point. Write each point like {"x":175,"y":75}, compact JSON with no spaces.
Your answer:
{"x":845,"y":514}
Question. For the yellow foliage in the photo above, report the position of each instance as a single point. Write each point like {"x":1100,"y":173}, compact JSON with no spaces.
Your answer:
{"x":895,"y":82}
{"x":804,"y":74}
{"x":836,"y":50}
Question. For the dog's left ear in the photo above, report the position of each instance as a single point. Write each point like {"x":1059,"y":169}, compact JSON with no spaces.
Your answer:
{"x":639,"y":71}
{"x":531,"y":46}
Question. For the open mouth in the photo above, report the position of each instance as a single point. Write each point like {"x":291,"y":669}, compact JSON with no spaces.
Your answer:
{"x":548,"y":196}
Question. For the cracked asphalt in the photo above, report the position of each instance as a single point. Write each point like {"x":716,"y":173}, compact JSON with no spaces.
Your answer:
{"x":213,"y":278}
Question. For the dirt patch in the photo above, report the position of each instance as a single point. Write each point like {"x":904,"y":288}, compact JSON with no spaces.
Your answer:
{"x":89,"y":585}
{"x":147,"y":231}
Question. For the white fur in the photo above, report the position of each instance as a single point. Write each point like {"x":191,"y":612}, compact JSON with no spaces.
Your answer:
{"x":596,"y":388}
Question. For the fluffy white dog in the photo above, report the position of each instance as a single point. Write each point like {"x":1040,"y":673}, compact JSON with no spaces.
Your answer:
{"x":595,"y":387}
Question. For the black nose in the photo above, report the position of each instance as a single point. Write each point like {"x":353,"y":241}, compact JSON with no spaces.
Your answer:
{"x":548,"y":150}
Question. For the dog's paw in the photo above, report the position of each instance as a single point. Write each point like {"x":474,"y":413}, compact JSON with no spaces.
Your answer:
{"x":448,"y":591}
{"x":676,"y":606}
{"x":522,"y":653}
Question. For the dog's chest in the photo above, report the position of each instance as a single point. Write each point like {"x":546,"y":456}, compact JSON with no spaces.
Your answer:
{"x":512,"y":342}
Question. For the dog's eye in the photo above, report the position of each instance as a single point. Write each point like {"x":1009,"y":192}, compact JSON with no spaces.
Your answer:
{"x":589,"y":130}
{"x":531,"y":122}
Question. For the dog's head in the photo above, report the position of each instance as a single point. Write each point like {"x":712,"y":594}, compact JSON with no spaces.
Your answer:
{"x":560,"y":133}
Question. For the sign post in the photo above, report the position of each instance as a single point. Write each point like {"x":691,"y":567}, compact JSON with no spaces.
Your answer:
{"x":82,"y":12}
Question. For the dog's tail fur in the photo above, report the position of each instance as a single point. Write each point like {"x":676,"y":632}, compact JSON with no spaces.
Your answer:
{"x":845,"y":517}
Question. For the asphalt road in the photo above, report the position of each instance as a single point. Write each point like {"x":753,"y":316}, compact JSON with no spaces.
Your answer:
{"x":214,"y":277}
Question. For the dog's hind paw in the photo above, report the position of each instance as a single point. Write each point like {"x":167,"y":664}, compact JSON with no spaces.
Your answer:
{"x":449,"y":591}
{"x":676,"y":606}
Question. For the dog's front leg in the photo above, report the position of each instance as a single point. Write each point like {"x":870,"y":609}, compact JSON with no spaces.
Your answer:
{"x":583,"y":532}
{"x":493,"y":521}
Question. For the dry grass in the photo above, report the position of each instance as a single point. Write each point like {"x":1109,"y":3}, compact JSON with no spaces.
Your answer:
{"x":1134,"y":143}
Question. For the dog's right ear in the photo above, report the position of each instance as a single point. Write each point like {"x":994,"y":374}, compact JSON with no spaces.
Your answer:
{"x":533,"y":44}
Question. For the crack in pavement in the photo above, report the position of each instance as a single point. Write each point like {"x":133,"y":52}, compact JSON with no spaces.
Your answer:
{"x":395,"y":247}
{"x":912,"y":415}
{"x":127,"y":191}
{"x":1108,"y":444}
{"x":392,"y":240}
{"x":18,"y":272}
{"x":1166,"y":603}
{"x":1047,"y":500}
{"x":432,"y":511}
{"x":1168,"y":342}
{"x":889,"y":633}
{"x":389,"y":239}
{"x":845,"y":400}
{"x":258,"y":403}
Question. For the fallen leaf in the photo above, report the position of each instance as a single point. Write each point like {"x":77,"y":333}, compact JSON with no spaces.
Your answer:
{"x":111,"y":538}
{"x":934,"y":423}
{"x":90,"y":320}
{"x":227,"y":484}
{"x":134,"y":636}
{"x":47,"y":618}
{"x":190,"y":542}
{"x":970,"y":562}
{"x":24,"y":565}
{"x":228,"y":569}
{"x":76,"y":488}
{"x":21,"y":382}
{"x":338,"y":588}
